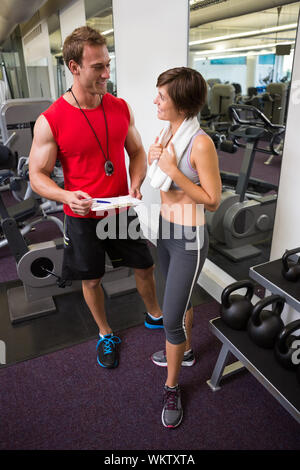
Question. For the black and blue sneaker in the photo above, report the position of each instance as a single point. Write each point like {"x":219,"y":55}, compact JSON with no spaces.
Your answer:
{"x":106,"y":351}
{"x":153,"y":323}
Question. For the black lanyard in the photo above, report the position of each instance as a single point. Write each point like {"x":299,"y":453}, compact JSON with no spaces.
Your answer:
{"x":108,"y":167}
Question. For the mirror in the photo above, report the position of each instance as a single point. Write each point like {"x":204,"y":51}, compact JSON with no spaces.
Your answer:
{"x":55,"y":40}
{"x":38,"y":61}
{"x":247,"y":62}
{"x":99,"y":16}
{"x":12,"y":69}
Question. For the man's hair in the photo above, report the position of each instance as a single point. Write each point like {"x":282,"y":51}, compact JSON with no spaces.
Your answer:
{"x":186,"y":88}
{"x":74,"y":43}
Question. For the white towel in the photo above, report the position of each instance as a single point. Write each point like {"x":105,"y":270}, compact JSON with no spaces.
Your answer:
{"x":181,"y":139}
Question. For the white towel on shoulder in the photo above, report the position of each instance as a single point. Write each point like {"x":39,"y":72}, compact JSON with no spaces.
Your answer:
{"x":181,"y":139}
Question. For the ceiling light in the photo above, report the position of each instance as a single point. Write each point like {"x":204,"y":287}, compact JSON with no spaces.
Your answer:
{"x":257,"y":32}
{"x":243,"y":48}
{"x":109,"y":31}
{"x":229,"y":56}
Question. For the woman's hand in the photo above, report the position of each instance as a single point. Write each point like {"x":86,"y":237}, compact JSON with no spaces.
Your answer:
{"x":168,"y":160}
{"x":155,"y":152}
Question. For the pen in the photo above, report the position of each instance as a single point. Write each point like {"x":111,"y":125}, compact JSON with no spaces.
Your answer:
{"x":102,"y":202}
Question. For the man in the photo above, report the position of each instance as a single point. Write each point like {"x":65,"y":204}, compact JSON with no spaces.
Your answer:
{"x":87,"y":130}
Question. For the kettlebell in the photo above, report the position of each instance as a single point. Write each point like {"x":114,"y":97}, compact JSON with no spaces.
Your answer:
{"x":265,"y":325}
{"x":236,"y":309}
{"x":284,"y":345}
{"x":290,"y":269}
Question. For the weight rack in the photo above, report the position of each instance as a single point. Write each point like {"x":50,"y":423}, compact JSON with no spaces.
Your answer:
{"x":262,"y":364}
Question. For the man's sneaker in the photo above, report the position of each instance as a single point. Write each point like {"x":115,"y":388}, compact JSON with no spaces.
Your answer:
{"x":152,"y":323}
{"x":172,"y":412}
{"x":106,"y":351}
{"x":160,"y":359}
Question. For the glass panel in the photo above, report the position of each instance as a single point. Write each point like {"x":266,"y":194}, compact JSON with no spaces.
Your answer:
{"x":99,"y":17}
{"x":246,"y":60}
{"x":12,"y":70}
{"x":55,"y":41}
{"x":7,"y":65}
{"x":36,"y":55}
{"x":38,"y":79}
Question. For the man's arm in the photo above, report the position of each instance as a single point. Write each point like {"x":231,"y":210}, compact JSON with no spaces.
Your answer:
{"x":137,"y":158}
{"x":42,"y":159}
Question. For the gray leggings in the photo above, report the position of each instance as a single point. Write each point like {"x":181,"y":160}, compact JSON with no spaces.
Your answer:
{"x":182,"y":251}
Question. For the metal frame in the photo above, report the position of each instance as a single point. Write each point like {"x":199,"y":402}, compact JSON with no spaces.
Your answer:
{"x":274,"y":288}
{"x":220,"y":371}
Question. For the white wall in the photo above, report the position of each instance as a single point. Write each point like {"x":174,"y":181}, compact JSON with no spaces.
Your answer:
{"x":150,"y":37}
{"x":71,"y":17}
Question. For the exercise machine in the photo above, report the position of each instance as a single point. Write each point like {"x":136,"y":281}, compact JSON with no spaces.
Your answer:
{"x":275,"y":107}
{"x":274,"y":133}
{"x":272,"y":102}
{"x":21,"y":189}
{"x":17,"y":119}
{"x":215,"y":115}
{"x":39,"y":265}
{"x":30,"y":211}
{"x":244,"y":219}
{"x":229,"y":179}
{"x":255,"y":186}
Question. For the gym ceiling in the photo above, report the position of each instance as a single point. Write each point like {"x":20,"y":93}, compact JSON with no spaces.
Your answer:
{"x":210,"y":20}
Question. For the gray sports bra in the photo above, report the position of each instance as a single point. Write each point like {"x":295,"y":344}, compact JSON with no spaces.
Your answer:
{"x":185,"y":165}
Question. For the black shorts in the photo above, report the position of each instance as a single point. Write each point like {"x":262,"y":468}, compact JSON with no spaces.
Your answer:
{"x":86,"y":242}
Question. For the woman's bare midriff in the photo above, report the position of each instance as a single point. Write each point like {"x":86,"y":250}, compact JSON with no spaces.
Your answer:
{"x":180,"y":209}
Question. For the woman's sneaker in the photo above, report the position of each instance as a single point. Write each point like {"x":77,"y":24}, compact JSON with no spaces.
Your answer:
{"x":160,"y":359}
{"x":172,"y":412}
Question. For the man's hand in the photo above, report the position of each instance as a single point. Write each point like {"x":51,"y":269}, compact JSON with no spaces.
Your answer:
{"x":135,"y":192}
{"x":79,"y":202}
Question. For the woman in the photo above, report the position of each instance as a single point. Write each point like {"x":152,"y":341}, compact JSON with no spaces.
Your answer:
{"x":183,"y":238}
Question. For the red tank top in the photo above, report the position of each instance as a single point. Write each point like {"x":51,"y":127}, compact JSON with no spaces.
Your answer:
{"x":79,"y":152}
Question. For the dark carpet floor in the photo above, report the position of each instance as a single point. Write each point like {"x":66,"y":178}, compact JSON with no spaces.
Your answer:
{"x":64,"y":400}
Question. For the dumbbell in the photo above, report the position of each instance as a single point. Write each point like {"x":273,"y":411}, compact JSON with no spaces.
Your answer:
{"x":228,"y":146}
